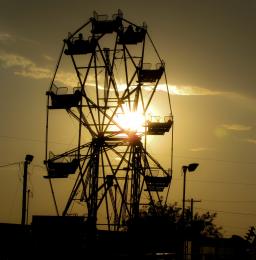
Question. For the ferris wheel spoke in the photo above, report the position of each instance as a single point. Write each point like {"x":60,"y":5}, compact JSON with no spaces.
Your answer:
{"x":80,"y":179}
{"x":82,"y":120}
{"x":123,"y":160}
{"x":105,"y":56}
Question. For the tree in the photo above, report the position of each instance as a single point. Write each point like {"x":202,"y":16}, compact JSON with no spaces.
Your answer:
{"x":169,"y":218}
{"x":205,"y":226}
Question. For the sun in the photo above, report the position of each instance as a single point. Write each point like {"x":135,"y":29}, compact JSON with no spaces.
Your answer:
{"x":131,"y":121}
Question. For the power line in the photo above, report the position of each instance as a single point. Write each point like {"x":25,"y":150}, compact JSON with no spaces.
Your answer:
{"x":232,"y":201}
{"x":21,"y":138}
{"x":9,"y":164}
{"x":225,"y":182}
{"x":30,"y":140}
{"x":230,"y":212}
{"x":220,"y":182}
{"x":215,"y":159}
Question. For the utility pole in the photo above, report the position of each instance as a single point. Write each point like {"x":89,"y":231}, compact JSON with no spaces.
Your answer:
{"x":191,"y":167}
{"x":27,"y":206}
{"x":186,"y":246}
{"x":192,"y":201}
{"x":28,"y":160}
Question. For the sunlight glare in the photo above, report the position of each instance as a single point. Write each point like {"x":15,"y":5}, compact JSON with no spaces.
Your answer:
{"x":132,"y":121}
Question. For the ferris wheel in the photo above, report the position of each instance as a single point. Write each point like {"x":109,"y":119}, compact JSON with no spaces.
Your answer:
{"x":105,"y":88}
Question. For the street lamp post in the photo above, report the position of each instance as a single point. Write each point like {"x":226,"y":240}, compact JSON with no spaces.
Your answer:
{"x":28,"y":160}
{"x":191,"y":167}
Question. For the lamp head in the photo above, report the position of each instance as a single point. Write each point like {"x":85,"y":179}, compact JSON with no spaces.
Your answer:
{"x":29,"y":158}
{"x":184,"y":168}
{"x":192,"y":166}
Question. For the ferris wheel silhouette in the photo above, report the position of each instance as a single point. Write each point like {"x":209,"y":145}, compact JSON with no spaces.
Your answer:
{"x":105,"y":85}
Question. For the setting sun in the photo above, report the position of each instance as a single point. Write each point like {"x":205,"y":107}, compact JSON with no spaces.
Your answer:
{"x":132,"y":121}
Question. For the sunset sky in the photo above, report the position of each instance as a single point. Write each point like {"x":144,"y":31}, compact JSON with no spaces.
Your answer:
{"x":209,"y":49}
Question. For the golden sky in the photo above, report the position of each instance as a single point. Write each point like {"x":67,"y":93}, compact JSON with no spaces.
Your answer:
{"x":209,"y":52}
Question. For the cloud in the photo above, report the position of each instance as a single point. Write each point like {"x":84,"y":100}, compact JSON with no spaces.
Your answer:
{"x":47,"y":57}
{"x":236,"y":127}
{"x":27,"y":68}
{"x":7,"y":38}
{"x":23,"y":66}
{"x":225,"y":129}
{"x":253,"y":141}
{"x":34,"y":72}
{"x":188,"y":90}
{"x":12,"y":60}
{"x":4,"y":37}
{"x":67,"y":79}
{"x":200,"y":149}
{"x":183,"y":90}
